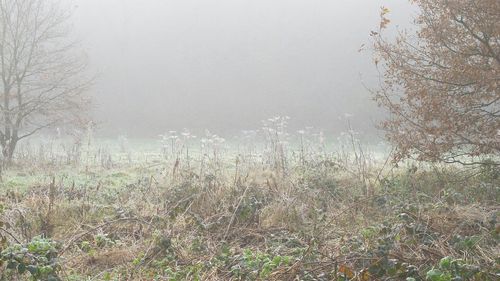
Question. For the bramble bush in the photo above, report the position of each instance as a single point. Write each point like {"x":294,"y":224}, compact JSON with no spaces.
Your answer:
{"x":39,"y":258}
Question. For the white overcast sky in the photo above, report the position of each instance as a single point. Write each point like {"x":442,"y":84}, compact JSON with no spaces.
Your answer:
{"x":227,"y":64}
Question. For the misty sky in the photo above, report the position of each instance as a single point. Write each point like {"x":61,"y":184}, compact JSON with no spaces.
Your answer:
{"x":227,"y":64}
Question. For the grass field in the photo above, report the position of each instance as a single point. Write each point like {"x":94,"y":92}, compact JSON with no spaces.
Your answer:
{"x":185,"y":208}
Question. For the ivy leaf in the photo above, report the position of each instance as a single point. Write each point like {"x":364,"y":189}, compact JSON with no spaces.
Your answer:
{"x":21,"y":268}
{"x":32,"y":269}
{"x":11,"y":265}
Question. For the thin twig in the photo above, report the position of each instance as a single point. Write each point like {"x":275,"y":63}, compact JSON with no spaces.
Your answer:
{"x":10,"y":234}
{"x":75,"y":238}
{"x":234,"y":213}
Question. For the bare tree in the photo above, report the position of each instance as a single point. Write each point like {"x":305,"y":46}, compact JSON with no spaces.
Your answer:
{"x":440,"y":84}
{"x":42,"y":72}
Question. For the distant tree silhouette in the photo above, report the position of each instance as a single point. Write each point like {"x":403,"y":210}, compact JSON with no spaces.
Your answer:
{"x":41,"y":81}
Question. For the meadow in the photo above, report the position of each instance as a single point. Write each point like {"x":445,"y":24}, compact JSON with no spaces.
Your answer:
{"x":268,"y":205}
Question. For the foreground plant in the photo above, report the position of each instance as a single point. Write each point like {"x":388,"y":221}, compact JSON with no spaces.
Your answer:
{"x":38,"y":258}
{"x":450,"y":269}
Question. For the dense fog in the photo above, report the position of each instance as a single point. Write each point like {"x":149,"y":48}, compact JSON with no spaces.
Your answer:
{"x":225,"y":65}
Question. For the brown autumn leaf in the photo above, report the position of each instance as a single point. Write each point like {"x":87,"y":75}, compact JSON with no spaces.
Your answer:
{"x":348,"y":272}
{"x":440,"y":83}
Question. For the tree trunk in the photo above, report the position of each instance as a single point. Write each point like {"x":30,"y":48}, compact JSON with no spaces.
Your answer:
{"x":8,"y":151}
